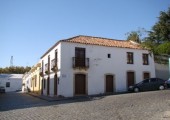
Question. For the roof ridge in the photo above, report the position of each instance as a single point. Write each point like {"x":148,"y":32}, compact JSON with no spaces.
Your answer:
{"x":106,"y":42}
{"x":93,"y":37}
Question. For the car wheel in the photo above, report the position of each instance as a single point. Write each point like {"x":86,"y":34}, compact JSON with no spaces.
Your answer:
{"x":161,"y":87}
{"x":136,"y":89}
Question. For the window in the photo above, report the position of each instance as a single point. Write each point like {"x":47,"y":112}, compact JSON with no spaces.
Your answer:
{"x":56,"y":56}
{"x":153,"y":80}
{"x":49,"y":63}
{"x":109,"y":55}
{"x":46,"y":67}
{"x":129,"y":58}
{"x":7,"y":84}
{"x":146,"y":75}
{"x":42,"y":66}
{"x":145,"y":59}
{"x":146,"y":81}
{"x":80,"y":55}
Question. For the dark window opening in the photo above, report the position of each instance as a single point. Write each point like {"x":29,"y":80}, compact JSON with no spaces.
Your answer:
{"x":49,"y":63}
{"x":146,"y":75}
{"x":145,"y":59}
{"x":7,"y":84}
{"x":109,"y":55}
{"x":129,"y":58}
{"x":80,"y":57}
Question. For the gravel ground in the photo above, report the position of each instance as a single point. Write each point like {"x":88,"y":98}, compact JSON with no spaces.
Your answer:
{"x":134,"y":106}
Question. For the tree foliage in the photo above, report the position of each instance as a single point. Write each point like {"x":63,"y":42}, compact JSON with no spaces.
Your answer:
{"x":163,"y":48}
{"x":159,"y":37}
{"x":15,"y":70}
{"x":136,"y":36}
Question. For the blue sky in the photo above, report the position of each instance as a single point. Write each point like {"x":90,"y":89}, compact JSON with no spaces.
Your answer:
{"x":28,"y":28}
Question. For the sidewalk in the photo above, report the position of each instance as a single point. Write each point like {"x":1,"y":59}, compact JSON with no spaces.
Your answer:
{"x":86,"y":97}
{"x":48,"y":98}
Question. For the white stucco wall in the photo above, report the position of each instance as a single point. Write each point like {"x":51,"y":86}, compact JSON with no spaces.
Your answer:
{"x":100,"y":65}
{"x":14,"y":79}
{"x":45,"y":58}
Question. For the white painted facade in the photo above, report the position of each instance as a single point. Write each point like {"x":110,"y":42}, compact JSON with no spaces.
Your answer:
{"x":99,"y":66}
{"x":11,"y":82}
{"x":26,"y":82}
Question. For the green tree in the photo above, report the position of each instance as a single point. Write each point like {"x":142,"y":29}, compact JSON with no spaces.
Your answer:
{"x":163,"y":48}
{"x":159,"y":36}
{"x":136,"y":36}
{"x":15,"y":70}
{"x":133,"y":36}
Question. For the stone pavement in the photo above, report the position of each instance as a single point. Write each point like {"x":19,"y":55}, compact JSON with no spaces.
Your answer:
{"x":153,"y":105}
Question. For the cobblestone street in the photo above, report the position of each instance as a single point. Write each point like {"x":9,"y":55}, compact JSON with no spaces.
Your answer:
{"x":134,"y":106}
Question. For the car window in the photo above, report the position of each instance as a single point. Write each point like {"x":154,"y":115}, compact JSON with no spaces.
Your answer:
{"x":153,"y":79}
{"x":160,"y":80}
{"x":146,"y":81}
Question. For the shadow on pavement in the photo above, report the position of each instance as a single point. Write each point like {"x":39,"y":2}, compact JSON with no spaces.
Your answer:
{"x":14,"y":100}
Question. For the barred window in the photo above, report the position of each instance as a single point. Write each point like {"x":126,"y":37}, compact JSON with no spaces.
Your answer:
{"x":129,"y":58}
{"x":145,"y":59}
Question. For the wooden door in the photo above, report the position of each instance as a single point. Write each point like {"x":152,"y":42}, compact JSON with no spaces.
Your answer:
{"x":130,"y":79}
{"x":48,"y":86}
{"x":55,"y":84}
{"x":109,"y":84}
{"x":80,"y":84}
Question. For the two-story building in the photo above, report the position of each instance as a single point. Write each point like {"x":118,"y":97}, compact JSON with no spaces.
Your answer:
{"x":32,"y":80}
{"x":86,"y":65}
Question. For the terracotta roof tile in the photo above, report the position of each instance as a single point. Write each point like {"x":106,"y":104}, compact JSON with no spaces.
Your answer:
{"x":98,"y":41}
{"x":103,"y":42}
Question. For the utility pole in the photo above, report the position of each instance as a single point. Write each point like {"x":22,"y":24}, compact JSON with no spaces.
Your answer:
{"x":11,"y":61}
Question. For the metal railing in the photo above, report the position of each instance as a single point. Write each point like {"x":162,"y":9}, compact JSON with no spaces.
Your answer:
{"x":80,"y":62}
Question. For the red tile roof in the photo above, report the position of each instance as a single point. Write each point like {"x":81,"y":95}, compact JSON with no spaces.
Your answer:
{"x":98,"y":41}
{"x":103,"y":42}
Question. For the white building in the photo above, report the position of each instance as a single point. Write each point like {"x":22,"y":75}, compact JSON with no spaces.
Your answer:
{"x":26,"y":80}
{"x":11,"y":82}
{"x":85,"y":65}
